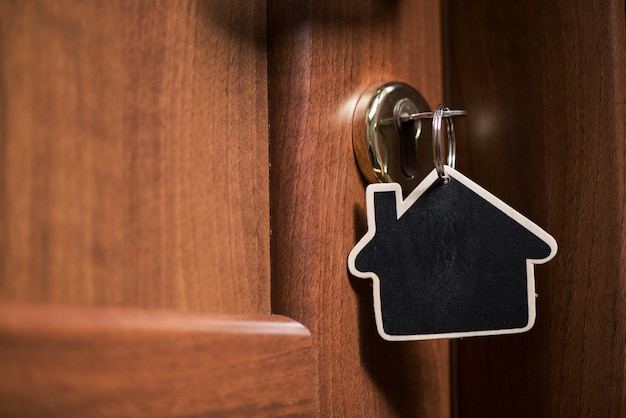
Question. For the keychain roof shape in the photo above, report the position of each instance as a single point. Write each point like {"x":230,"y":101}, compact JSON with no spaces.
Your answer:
{"x":452,"y":260}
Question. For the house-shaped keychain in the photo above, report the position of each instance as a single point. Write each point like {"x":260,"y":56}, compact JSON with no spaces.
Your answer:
{"x":451,"y":260}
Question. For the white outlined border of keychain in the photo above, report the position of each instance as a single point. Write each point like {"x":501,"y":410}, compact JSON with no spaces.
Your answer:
{"x":403,"y":206}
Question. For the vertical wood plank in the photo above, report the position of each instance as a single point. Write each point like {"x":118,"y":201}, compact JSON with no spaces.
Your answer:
{"x":133,"y":147}
{"x":543,"y":84}
{"x":322,"y":55}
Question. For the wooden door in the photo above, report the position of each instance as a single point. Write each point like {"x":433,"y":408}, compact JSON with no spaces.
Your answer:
{"x":139,"y":183}
{"x":544,"y":87}
{"x":137,"y":277}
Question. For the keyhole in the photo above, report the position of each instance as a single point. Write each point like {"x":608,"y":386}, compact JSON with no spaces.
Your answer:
{"x":408,"y":132}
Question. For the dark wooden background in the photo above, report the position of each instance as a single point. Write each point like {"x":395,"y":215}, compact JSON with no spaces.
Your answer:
{"x":544,"y":87}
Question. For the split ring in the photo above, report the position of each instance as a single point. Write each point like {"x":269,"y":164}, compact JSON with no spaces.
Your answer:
{"x":438,"y":116}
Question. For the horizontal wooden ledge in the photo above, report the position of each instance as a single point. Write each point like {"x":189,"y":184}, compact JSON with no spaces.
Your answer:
{"x":46,"y":317}
{"x":71,"y":362}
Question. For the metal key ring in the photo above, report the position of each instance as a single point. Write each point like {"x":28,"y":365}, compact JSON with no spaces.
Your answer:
{"x":437,"y":149}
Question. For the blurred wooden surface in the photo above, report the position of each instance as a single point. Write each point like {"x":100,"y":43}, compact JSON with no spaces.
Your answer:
{"x":131,"y":170}
{"x":543,"y":84}
{"x":85,"y":362}
{"x":322,"y":55}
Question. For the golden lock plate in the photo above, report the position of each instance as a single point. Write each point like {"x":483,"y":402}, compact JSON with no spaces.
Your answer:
{"x":389,"y":146}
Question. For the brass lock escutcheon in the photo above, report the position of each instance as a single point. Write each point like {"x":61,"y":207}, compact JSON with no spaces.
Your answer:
{"x":390,"y":144}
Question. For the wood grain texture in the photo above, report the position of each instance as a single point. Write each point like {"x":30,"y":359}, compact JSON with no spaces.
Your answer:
{"x":86,"y":362}
{"x":544,"y":87}
{"x":322,"y":55}
{"x":133,"y":154}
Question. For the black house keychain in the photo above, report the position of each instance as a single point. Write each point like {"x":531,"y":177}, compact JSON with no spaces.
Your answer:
{"x":451,"y":260}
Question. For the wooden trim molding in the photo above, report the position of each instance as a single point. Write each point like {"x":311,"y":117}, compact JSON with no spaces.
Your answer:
{"x":321,"y":56}
{"x":80,"y":362}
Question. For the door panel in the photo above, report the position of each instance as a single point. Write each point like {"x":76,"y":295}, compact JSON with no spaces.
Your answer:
{"x":133,"y":173}
{"x":322,"y":55}
{"x":543,"y":84}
